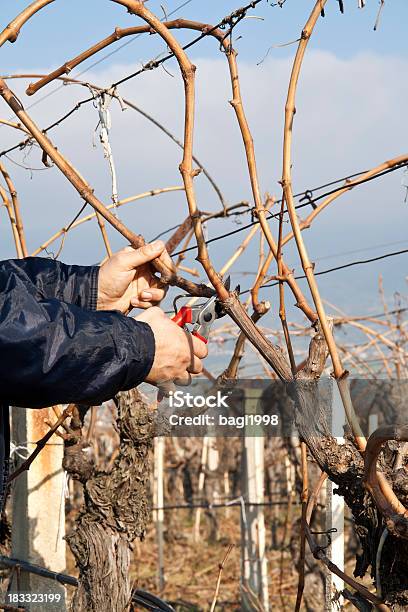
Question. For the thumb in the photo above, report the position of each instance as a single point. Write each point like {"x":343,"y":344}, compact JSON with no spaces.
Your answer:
{"x":146,"y":253}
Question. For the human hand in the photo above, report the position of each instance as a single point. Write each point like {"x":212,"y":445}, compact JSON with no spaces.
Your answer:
{"x":126,"y":280}
{"x":178,"y":354}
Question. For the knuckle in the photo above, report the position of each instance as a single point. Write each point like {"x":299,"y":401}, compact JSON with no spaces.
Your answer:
{"x":201,"y":349}
{"x":157,"y":245}
{"x":198,"y":367}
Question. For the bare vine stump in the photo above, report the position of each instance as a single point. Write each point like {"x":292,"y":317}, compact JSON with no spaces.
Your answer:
{"x":345,"y":467}
{"x":38,"y":525}
{"x":116,"y":509}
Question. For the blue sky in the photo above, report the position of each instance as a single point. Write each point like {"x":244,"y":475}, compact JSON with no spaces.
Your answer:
{"x":64,"y":28}
{"x":351,"y":116}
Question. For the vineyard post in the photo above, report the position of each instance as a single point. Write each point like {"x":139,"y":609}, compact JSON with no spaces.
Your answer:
{"x":372,"y":423}
{"x":335,"y":511}
{"x":158,"y":503}
{"x":38,"y":526}
{"x":254,"y":574}
{"x":201,"y":479}
{"x":213,"y":466}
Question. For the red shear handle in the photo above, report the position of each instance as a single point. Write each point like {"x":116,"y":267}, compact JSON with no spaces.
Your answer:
{"x":184,"y":316}
{"x":200,"y":337}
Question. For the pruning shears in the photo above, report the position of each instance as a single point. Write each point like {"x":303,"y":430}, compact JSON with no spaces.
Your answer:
{"x":201,"y":316}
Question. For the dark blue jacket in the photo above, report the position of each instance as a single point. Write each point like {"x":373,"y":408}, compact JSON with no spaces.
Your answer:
{"x":55,"y":348}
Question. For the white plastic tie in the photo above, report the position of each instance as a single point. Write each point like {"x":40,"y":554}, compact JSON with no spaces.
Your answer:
{"x":19,"y":449}
{"x":105,"y":121}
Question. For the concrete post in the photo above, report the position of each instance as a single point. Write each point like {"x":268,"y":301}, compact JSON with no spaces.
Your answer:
{"x":201,"y":479}
{"x":335,"y":514}
{"x":253,"y":538}
{"x":39,"y":510}
{"x":158,"y":502}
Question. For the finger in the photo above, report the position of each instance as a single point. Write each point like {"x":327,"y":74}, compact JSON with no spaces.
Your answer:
{"x":151,"y":295}
{"x":200,"y":348}
{"x":146,"y":301}
{"x":183,"y":381}
{"x":143,"y":305}
{"x":196,"y":366}
{"x":133,"y":258}
{"x":167,"y":260}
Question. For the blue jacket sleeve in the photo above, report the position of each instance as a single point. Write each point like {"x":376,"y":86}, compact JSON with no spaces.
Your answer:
{"x":52,"y":279}
{"x":55,"y":352}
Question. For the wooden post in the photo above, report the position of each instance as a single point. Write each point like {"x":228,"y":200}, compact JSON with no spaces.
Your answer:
{"x":201,"y":479}
{"x":158,"y":502}
{"x":253,"y":539}
{"x":38,"y":509}
{"x":335,"y":513}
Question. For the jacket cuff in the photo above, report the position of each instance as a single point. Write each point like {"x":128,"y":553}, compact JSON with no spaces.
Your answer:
{"x":93,"y":289}
{"x":140,"y":352}
{"x":85,"y":287}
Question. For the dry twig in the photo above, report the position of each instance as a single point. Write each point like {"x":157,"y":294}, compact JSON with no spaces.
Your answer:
{"x":41,"y":444}
{"x":220,"y":570}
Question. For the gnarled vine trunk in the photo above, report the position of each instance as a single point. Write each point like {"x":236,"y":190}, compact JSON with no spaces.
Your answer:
{"x":116,"y":509}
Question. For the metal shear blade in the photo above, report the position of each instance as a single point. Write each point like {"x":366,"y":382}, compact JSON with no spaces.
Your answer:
{"x":201,"y":316}
{"x":208,"y":313}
